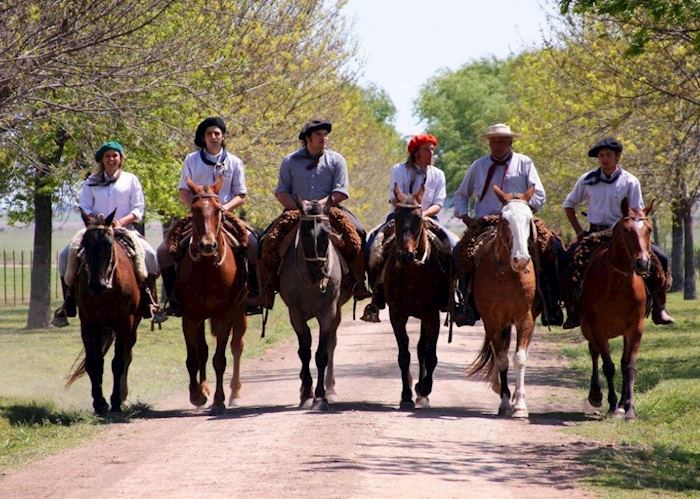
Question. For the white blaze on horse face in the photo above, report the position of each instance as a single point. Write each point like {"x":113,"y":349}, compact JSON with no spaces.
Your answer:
{"x":519,"y":216}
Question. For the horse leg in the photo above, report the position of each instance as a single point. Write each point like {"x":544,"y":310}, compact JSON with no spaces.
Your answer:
{"x":94,"y":365}
{"x":203,"y":353}
{"x":331,"y":342}
{"x":191,"y":330}
{"x":117,"y":372}
{"x":629,"y":373}
{"x":320,"y":403}
{"x":398,"y":323}
{"x":427,"y":358}
{"x":595,"y":394}
{"x":304,"y":338}
{"x":609,"y":371}
{"x":524,"y":334}
{"x":221,"y":329}
{"x":239,"y":327}
{"x":500,"y":345}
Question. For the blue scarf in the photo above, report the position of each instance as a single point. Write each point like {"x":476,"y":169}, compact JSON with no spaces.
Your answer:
{"x":597,"y":176}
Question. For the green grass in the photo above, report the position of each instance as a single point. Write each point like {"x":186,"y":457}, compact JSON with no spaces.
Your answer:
{"x":659,"y":453}
{"x":39,"y":416}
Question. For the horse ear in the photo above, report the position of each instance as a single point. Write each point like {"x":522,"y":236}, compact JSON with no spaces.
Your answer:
{"x":529,"y":193}
{"x":216,"y":187}
{"x":648,"y":209}
{"x":299,"y":203}
{"x":625,"y":207}
{"x":108,"y":220}
{"x":85,"y":217}
{"x":418,"y":196}
{"x":191,"y":184}
{"x":502,"y":196}
{"x":398,"y":195}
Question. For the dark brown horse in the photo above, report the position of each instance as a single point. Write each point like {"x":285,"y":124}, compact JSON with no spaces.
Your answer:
{"x":416,"y":285}
{"x":504,"y":291}
{"x":613,"y":303}
{"x":108,"y":297}
{"x":211,"y":285}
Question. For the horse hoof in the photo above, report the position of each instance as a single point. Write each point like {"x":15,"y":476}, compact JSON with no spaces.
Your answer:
{"x":617,"y":413}
{"x":198,"y":399}
{"x":319,"y":405}
{"x":116,"y":409}
{"x":306,"y":404}
{"x":630,"y":416}
{"x":407,"y":404}
{"x":422,"y":403}
{"x":216,"y":409}
{"x":332,"y":398}
{"x":505,"y":411}
{"x":234,"y":402}
{"x":595,"y":401}
{"x":520,"y":413}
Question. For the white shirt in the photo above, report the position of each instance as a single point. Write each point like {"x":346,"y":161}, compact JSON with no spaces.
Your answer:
{"x":125,"y":195}
{"x":434,"y":178}
{"x":516,"y":178}
{"x":201,"y":173}
{"x":604,"y":199}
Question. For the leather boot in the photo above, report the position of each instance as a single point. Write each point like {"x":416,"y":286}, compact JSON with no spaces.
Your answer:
{"x":253,"y":305}
{"x":359,"y":290}
{"x":658,"y":310}
{"x":465,"y":313}
{"x":265,"y":298}
{"x":68,"y":309}
{"x":573,"y":318}
{"x":169,"y":275}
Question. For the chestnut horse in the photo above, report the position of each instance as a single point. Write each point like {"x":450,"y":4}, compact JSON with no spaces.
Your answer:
{"x":211,"y":284}
{"x":314,"y":284}
{"x":504,"y":291}
{"x":108,"y":296}
{"x":613,"y":303}
{"x":416,"y":285}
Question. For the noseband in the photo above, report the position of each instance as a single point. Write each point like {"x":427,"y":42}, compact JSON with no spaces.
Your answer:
{"x":419,"y":236}
{"x":197,"y":256}
{"x":623,"y":272}
{"x":112,"y":264}
{"x":325,"y":259}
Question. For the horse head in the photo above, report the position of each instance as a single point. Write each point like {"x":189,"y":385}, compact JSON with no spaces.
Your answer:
{"x":97,"y":247}
{"x":517,"y":215}
{"x":634,"y":232}
{"x":315,"y":238}
{"x":207,"y":217}
{"x":410,"y":228}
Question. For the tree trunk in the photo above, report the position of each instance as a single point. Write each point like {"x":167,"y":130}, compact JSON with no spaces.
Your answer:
{"x":689,"y":292}
{"x":40,"y":294}
{"x":677,"y":247}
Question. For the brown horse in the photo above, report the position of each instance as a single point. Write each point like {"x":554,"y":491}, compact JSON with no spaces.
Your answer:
{"x":108,"y":297}
{"x":504,"y":291}
{"x":613,"y":303}
{"x":416,"y":285}
{"x":211,"y":285}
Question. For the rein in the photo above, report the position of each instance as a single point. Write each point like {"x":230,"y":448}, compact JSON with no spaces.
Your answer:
{"x":112,"y":264}
{"x":197,"y":256}
{"x":325,"y":259}
{"x":420,"y":237}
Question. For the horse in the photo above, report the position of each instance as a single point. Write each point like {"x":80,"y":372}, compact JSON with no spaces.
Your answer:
{"x":415,"y":285}
{"x":108,"y":297}
{"x":614,"y":303}
{"x":211,"y":284}
{"x":505,"y":269}
{"x":315,"y":284}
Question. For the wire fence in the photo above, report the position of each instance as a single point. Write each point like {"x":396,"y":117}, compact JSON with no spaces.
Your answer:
{"x":16,"y":277}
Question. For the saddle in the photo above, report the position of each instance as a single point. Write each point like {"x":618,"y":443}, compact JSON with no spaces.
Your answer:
{"x":234,"y":230}
{"x":126,"y":238}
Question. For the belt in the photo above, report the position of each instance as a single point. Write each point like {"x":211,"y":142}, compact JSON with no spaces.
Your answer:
{"x":598,"y":227}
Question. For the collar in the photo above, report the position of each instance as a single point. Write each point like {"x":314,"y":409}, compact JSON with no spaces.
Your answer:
{"x":220,"y":158}
{"x":597,"y":176}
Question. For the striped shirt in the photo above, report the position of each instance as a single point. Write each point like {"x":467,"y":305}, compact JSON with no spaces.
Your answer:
{"x":231,"y":169}
{"x":125,"y":195}
{"x":434,"y":179}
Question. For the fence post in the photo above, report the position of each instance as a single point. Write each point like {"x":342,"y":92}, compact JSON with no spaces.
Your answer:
{"x":14,"y":280}
{"x":21,"y":275}
{"x":4,"y":274}
{"x":56,"y":277}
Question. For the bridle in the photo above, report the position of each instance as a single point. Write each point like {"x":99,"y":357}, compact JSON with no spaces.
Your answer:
{"x":112,"y":264}
{"x":419,"y":237}
{"x":326,"y":259}
{"x":197,"y":256}
{"x":634,"y":219}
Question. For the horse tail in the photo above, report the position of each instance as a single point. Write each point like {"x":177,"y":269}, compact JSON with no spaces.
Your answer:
{"x":484,"y":363}
{"x":77,"y":369}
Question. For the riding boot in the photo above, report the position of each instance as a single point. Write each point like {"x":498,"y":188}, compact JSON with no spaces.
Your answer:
{"x":371,"y":312}
{"x":150,"y":309}
{"x":265,"y":297}
{"x":253,"y":306}
{"x":359,"y":290}
{"x":465,"y":311}
{"x":169,"y":276}
{"x":554,"y":315}
{"x":68,"y":309}
{"x":658,"y":308}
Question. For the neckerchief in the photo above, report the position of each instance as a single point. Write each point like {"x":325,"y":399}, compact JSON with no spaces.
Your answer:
{"x":315,"y":161}
{"x":597,"y":176}
{"x":218,"y":165}
{"x":494,"y":163}
{"x":103,"y":179}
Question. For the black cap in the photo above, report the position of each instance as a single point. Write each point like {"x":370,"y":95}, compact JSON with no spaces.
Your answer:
{"x":606,"y":143}
{"x":313,"y":125}
{"x":202,"y":127}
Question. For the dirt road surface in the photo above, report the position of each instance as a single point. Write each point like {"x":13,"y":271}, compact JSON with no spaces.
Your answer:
{"x":364,"y":446}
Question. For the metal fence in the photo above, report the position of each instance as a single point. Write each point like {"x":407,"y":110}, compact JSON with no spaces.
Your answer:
{"x":16,"y":277}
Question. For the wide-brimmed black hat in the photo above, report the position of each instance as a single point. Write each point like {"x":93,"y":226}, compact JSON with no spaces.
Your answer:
{"x":314,"y":125}
{"x":606,"y":143}
{"x":202,"y":127}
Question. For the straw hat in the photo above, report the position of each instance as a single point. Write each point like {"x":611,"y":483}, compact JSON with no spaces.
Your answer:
{"x":498,"y":130}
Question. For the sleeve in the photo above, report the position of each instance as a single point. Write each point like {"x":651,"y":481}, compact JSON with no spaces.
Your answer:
{"x":184,"y":173}
{"x":136,"y":199}
{"x":576,"y":196}
{"x":635,"y":195}
{"x":284,"y":181}
{"x":238,"y":186}
{"x":340,"y":181}
{"x":539,"y":198}
{"x":440,"y":189}
{"x":464,"y":192}
{"x":394,"y":178}
{"x":86,"y":201}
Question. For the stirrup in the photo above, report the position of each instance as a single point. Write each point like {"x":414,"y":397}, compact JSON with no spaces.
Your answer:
{"x":60,"y":318}
{"x":572,"y":321}
{"x":371,"y":313}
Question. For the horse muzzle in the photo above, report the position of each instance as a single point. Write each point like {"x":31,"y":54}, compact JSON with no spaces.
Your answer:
{"x":207,"y":248}
{"x":642,"y":266}
{"x":406,"y":257}
{"x":519,"y":263}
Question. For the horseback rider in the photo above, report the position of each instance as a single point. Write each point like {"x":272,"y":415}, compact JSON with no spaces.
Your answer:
{"x":418,"y":170}
{"x":512,"y":172}
{"x":111,"y":188}
{"x":313,"y":172}
{"x":203,"y":167}
{"x":604,"y":189}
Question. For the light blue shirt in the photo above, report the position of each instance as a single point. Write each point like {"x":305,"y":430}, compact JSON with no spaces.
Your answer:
{"x":231,"y":169}
{"x":300,"y":175}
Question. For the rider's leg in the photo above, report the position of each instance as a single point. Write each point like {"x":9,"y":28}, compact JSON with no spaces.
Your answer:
{"x":657,"y":284}
{"x":68,"y":308}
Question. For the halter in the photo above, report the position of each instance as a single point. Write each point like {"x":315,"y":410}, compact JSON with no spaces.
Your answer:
{"x":325,"y":259}
{"x":196,"y":256}
{"x":616,"y":269}
{"x":112,"y":264}
{"x":419,"y":237}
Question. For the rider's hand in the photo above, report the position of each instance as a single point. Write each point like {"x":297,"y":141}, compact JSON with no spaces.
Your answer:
{"x":580,"y":234}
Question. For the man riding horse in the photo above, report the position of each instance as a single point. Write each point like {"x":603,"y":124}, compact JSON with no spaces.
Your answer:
{"x":512,"y":172}
{"x":203,"y":167}
{"x":109,"y":188}
{"x":416,"y":172}
{"x":312,"y":172}
{"x":604,"y":189}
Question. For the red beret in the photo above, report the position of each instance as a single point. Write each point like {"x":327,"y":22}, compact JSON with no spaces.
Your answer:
{"x":419,"y":140}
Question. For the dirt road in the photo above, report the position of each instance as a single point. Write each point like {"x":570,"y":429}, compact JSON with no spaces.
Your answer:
{"x":363,"y":447}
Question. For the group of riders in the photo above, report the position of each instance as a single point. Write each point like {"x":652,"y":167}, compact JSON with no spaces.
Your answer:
{"x":315,"y":172}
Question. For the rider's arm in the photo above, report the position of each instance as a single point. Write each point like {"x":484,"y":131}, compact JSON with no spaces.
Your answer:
{"x":237,"y":201}
{"x":238,"y":187}
{"x":463,"y":193}
{"x":432,"y":210}
{"x":533,"y":178}
{"x":573,"y":199}
{"x":573,"y":220}
{"x":286,"y":200}
{"x":186,"y":197}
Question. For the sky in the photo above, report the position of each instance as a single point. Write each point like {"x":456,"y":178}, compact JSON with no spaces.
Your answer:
{"x":402,"y":44}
